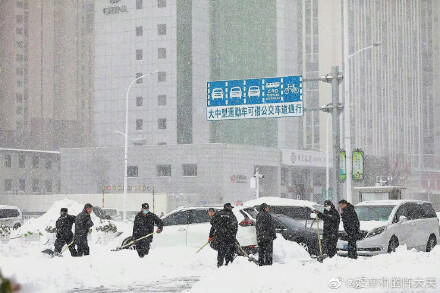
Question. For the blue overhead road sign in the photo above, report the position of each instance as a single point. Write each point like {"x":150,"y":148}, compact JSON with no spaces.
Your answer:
{"x":273,"y":97}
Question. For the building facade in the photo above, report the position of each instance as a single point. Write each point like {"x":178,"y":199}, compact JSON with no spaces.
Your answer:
{"x":207,"y":173}
{"x":45,"y":76}
{"x":30,"y":172}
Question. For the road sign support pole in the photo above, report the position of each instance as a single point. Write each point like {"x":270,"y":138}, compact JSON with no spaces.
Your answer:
{"x":336,"y":129}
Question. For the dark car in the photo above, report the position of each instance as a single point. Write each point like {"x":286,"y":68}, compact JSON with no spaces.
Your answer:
{"x":300,"y":230}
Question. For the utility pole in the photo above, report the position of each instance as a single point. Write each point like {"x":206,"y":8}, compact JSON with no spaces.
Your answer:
{"x":335,"y":78}
{"x":334,"y":108}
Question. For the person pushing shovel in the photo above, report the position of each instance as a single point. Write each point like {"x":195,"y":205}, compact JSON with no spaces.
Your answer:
{"x":143,"y":226}
{"x":64,"y":232}
{"x":331,"y":219}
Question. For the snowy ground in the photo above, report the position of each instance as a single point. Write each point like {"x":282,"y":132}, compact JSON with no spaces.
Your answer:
{"x":180,"y":269}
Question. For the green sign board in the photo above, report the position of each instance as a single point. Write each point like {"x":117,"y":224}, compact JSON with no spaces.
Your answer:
{"x":342,"y":165}
{"x":358,"y":165}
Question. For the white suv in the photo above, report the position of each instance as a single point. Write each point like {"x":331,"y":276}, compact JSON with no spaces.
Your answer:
{"x":386,"y":224}
{"x":190,"y":227}
{"x":11,"y":216}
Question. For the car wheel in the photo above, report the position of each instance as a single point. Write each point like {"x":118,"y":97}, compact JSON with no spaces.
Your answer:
{"x":128,"y":240}
{"x":432,"y":241}
{"x":16,"y":226}
{"x":393,"y":244}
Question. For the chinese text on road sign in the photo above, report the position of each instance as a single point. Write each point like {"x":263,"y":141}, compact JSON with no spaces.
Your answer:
{"x":274,"y":97}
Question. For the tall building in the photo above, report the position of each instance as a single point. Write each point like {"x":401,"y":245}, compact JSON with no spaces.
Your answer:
{"x":393,"y":58}
{"x":179,"y":46}
{"x":46,"y":69}
{"x":158,"y":39}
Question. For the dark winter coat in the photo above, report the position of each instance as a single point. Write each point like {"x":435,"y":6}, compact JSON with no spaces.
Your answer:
{"x":265,"y":227}
{"x":83,"y":223}
{"x":331,"y":221}
{"x":144,"y":225}
{"x":350,"y":220}
{"x":64,"y":226}
{"x":224,"y":226}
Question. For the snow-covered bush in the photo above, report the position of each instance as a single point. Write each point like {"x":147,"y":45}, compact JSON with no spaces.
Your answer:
{"x":5,"y":231}
{"x":50,"y":229}
{"x":107,"y":227}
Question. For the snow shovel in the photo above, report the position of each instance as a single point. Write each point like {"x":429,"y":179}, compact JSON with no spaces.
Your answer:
{"x":200,"y":249}
{"x":250,"y":258}
{"x":132,"y":242}
{"x":54,"y":253}
{"x":321,"y":256}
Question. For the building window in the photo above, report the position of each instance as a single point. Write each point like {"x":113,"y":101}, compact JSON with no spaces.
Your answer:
{"x":189,"y":170}
{"x":19,"y":98}
{"x":22,"y":185}
{"x":21,"y":161}
{"x":139,"y":4}
{"x":139,"y":101}
{"x":162,"y":100}
{"x":162,"y":123}
{"x":19,"y":30}
{"x":35,"y":162}
{"x":162,"y":29}
{"x":139,"y":74}
{"x":48,"y":164}
{"x":8,"y":161}
{"x":139,"y":124}
{"x":19,"y":4}
{"x":161,"y":3}
{"x":161,"y":53}
{"x":35,"y":185}
{"x":161,"y":76}
{"x":163,"y":170}
{"x":8,"y":185}
{"x":139,"y":54}
{"x":48,"y":185}
{"x":132,"y":171}
{"x":139,"y":31}
{"x":19,"y":18}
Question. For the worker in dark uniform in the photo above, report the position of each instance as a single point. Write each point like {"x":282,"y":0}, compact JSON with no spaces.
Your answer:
{"x":331,"y":219}
{"x":64,"y":232}
{"x":212,"y":239}
{"x":224,"y":228}
{"x":351,"y":226}
{"x":144,"y":225}
{"x":265,"y":235}
{"x":83,"y":222}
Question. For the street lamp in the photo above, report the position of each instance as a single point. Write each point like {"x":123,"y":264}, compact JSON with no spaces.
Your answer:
{"x":347,"y":117}
{"x":126,"y":142}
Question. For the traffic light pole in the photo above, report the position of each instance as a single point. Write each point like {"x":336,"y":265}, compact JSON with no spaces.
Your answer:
{"x":334,"y":108}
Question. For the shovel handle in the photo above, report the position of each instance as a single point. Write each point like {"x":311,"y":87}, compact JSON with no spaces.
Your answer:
{"x":200,"y":249}
{"x":319,"y":236}
{"x":134,"y":241}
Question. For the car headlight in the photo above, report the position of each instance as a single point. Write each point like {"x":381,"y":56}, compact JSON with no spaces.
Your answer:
{"x":376,"y":231}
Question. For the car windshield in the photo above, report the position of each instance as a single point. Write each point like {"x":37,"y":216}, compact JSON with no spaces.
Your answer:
{"x":8,"y":213}
{"x":374,"y":213}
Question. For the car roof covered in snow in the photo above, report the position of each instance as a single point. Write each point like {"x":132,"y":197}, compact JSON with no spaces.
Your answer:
{"x":279,"y":201}
{"x":389,"y":202}
{"x":8,"y":207}
{"x":236,"y":210}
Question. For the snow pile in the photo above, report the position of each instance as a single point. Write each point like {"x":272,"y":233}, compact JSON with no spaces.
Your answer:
{"x":43,"y":227}
{"x":337,"y":274}
{"x":279,"y":201}
{"x":49,"y":218}
{"x":285,"y":251}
